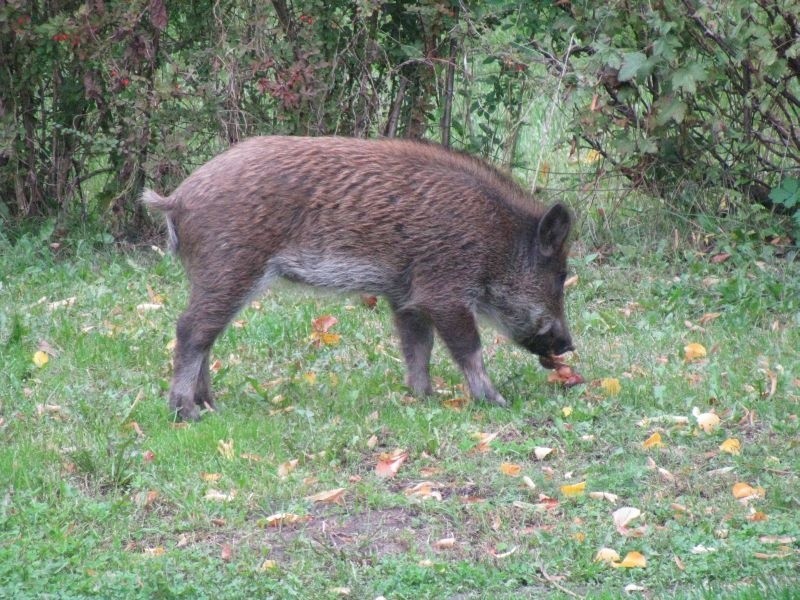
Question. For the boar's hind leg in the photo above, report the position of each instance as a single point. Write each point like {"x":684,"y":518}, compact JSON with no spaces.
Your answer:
{"x":459,"y":331}
{"x":416,"y":339}
{"x":198,"y":327}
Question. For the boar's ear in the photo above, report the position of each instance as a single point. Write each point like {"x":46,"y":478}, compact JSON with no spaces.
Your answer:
{"x":554,"y":229}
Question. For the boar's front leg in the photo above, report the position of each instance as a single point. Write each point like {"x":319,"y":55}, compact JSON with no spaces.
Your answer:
{"x":459,"y":331}
{"x":416,"y":340}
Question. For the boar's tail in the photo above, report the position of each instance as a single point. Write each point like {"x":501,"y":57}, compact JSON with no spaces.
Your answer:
{"x":166,"y":206}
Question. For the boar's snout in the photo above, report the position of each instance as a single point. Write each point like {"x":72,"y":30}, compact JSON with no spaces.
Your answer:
{"x":551,"y":341}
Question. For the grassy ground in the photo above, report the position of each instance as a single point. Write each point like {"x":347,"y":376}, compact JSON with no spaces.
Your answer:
{"x":102,"y":496}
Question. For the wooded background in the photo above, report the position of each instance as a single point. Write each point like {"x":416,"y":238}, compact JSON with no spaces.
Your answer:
{"x":683,"y":98}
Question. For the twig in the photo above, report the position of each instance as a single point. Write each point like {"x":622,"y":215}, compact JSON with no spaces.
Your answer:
{"x":549,"y":118}
{"x":551,"y":580}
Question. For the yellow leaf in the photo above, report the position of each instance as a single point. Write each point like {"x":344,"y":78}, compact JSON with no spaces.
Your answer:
{"x":742,"y":491}
{"x":708,"y":422}
{"x":610,"y":386}
{"x":211,"y":477}
{"x":283,"y":518}
{"x":606,"y":555}
{"x":157,"y":551}
{"x":225,"y":448}
{"x":566,"y":411}
{"x":310,"y":377}
{"x":632,"y":560}
{"x":510,"y":469}
{"x":654,"y":441}
{"x":575,"y":489}
{"x":40,"y":358}
{"x":334,"y":496}
{"x":268,"y":565}
{"x":731,"y":446}
{"x":694,"y":351}
{"x":592,"y":156}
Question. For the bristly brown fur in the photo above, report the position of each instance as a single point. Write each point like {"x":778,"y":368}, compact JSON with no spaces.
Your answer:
{"x":443,"y":236}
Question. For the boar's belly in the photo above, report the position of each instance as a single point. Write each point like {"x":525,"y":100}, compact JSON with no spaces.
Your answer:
{"x":335,"y":271}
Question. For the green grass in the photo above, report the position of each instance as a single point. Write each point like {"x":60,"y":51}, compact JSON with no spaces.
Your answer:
{"x":78,"y":519}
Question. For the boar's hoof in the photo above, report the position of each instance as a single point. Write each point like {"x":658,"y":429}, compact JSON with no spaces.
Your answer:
{"x":184,"y":409}
{"x":497,"y":400}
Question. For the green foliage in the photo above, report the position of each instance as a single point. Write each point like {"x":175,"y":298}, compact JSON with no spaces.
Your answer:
{"x":684,"y":95}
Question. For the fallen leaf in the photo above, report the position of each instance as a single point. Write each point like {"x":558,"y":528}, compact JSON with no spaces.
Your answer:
{"x":623,"y":516}
{"x":541,"y":452}
{"x":145,"y":499}
{"x":731,"y":446}
{"x":708,"y":422}
{"x":444,"y":543}
{"x":566,"y":411}
{"x":147,"y":306}
{"x":528,"y":482}
{"x":610,"y":385}
{"x":757,"y":516}
{"x":372,"y":441}
{"x":227,"y":552}
{"x":632,"y":560}
{"x":606,"y":555}
{"x":218,"y":496}
{"x":268,"y":565}
{"x":389,"y":463}
{"x":157,"y":551}
{"x":334,"y":496}
{"x":484,"y":439}
{"x":324,"y":323}
{"x":211,"y":477}
{"x":424,"y":490}
{"x":575,"y":489}
{"x":744,"y":492}
{"x":777,"y":539}
{"x":665,"y":475}
{"x":772,"y":556}
{"x":632,"y":587}
{"x":694,"y":351}
{"x":720,"y":258}
{"x":284,"y":518}
{"x":61,"y":303}
{"x":287,"y":467}
{"x":708,"y":317}
{"x":510,"y":469}
{"x":340,"y":591}
{"x":225,"y":448}
{"x":654,"y":441}
{"x":40,"y":358}
{"x":604,"y":496}
{"x":457,"y":403}
{"x":502,"y":554}
{"x":251,"y":457}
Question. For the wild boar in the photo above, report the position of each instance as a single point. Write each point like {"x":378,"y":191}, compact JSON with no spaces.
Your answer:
{"x":444,"y":237}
